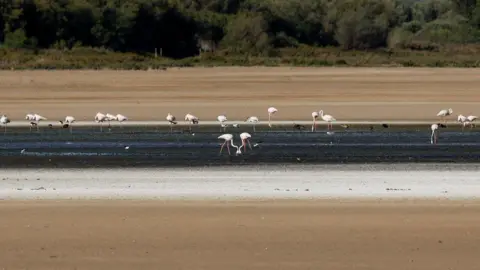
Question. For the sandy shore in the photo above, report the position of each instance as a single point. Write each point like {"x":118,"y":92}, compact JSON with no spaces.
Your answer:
{"x":372,"y":235}
{"x":252,"y":182}
{"x":347,"y":93}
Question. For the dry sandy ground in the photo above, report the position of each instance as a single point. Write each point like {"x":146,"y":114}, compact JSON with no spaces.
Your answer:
{"x":346,"y":93}
{"x":240,"y":235}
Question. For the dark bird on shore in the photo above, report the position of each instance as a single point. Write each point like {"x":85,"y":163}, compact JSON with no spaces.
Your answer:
{"x":64,"y":125}
{"x":298,"y":127}
{"x":442,"y":125}
{"x":385,"y":125}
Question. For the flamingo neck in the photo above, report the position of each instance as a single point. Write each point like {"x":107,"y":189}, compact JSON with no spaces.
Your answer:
{"x":231,"y":142}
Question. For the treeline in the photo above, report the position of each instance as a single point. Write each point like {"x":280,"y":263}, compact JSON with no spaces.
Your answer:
{"x":186,"y":28}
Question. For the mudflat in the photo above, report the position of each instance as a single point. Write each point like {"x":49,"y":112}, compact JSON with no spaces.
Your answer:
{"x":325,"y":234}
{"x":240,"y":92}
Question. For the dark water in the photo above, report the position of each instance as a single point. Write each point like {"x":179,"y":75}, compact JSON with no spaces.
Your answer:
{"x":157,"y":147}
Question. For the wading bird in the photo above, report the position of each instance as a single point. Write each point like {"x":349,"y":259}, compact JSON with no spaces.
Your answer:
{"x":121,"y":118}
{"x":36,"y":118}
{"x":4,"y":121}
{"x":192,"y":119}
{"x":110,"y":118}
{"x":245,"y":137}
{"x":69,"y":120}
{"x":222,"y":119}
{"x":228,"y":138}
{"x":171,"y":119}
{"x":327,"y":118}
{"x":444,"y":113}
{"x":271,"y":111}
{"x":100,"y":118}
{"x":253,"y":120}
{"x":314,"y":116}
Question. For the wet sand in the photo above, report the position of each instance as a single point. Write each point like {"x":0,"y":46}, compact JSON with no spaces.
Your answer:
{"x":240,"y":235}
{"x":346,"y":93}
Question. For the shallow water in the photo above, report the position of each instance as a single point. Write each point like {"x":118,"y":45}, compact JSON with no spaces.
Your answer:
{"x":156,"y":147}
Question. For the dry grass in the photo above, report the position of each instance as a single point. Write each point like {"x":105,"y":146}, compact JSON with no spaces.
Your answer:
{"x":346,"y":93}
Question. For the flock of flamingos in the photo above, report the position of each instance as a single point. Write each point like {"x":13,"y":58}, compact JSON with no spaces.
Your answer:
{"x":192,"y":119}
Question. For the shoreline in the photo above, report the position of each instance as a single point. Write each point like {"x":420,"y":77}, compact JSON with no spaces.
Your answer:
{"x":216,"y":184}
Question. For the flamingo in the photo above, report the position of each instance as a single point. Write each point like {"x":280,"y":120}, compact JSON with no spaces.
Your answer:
{"x":100,"y":118}
{"x":228,"y":138}
{"x":222,"y":119}
{"x":4,"y":121}
{"x":314,"y":116}
{"x":69,"y":120}
{"x":121,"y":118}
{"x":192,"y":119}
{"x":36,"y":118}
{"x":245,"y":137}
{"x":253,"y":120}
{"x":327,"y":118}
{"x":271,"y":111}
{"x":444,"y":113}
{"x":109,"y":118}
{"x":171,"y":119}
{"x":472,"y":118}
{"x":433,"y":138}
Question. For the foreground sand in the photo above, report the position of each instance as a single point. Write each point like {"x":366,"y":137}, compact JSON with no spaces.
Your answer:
{"x":347,"y":93}
{"x":239,"y":235}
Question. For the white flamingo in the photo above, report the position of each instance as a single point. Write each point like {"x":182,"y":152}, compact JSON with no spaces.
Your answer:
{"x":172,"y":120}
{"x":314,"y":116}
{"x":4,"y":121}
{"x":192,"y":119}
{"x":36,"y":118}
{"x":228,"y":138}
{"x":433,"y":137}
{"x":222,"y":119}
{"x":100,"y":118}
{"x":69,"y":120}
{"x":121,"y":118}
{"x":254,"y":120}
{"x":444,"y":113}
{"x":472,"y":118}
{"x":271,"y":111}
{"x":245,"y":137}
{"x":327,"y":118}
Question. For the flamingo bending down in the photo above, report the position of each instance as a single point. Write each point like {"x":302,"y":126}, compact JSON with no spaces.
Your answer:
{"x":228,"y":138}
{"x":444,"y":113}
{"x":254,"y":120}
{"x":36,"y":118}
{"x":245,"y":137}
{"x":271,"y":111}
{"x":4,"y":121}
{"x":69,"y":120}
{"x":222,"y":119}
{"x":192,"y":119}
{"x":327,"y":118}
{"x":171,"y":119}
{"x":100,"y":118}
{"x":314,"y":116}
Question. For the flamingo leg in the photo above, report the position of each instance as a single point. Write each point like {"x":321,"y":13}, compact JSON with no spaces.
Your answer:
{"x":71,"y":128}
{"x":249,"y":144}
{"x":221,"y":148}
{"x":243,"y":145}
{"x":253,"y":127}
{"x":269,"y":124}
{"x":228,"y":148}
{"x":313,"y":125}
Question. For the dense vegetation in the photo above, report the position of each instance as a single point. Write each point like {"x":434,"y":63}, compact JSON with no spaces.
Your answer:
{"x":155,"y":33}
